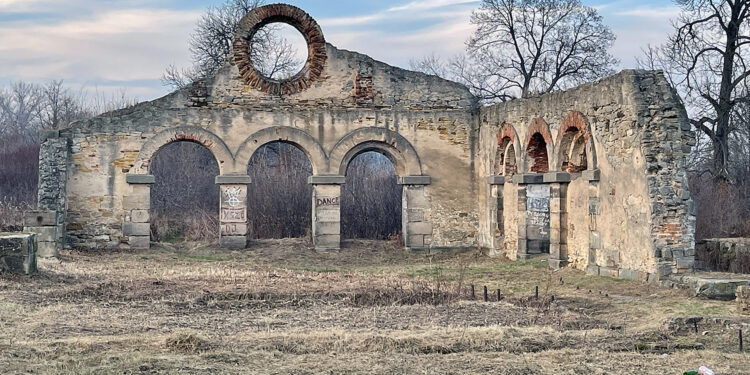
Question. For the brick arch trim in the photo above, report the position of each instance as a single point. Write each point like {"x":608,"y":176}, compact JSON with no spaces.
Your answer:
{"x":539,"y":126}
{"x":509,"y":131}
{"x":394,"y":146}
{"x":577,"y":120}
{"x":193,"y":134}
{"x":295,"y":17}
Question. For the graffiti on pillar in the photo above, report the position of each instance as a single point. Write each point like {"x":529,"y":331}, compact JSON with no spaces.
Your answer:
{"x":538,"y":218}
{"x":327,"y":202}
{"x":232,"y":196}
{"x":233,"y":229}
{"x":233,"y":215}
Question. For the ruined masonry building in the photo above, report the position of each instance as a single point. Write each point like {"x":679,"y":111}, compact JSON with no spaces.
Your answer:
{"x":594,"y":175}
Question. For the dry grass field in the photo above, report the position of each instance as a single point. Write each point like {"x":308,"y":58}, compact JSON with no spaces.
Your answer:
{"x":281,"y":308}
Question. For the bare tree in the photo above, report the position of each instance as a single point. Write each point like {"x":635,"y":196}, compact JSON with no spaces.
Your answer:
{"x":21,"y":106}
{"x":527,"y":47}
{"x":211,"y":44}
{"x":706,"y":58}
{"x":61,"y":107}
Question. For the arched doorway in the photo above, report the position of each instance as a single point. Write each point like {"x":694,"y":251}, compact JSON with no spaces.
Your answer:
{"x":279,"y":197}
{"x":184,"y":196}
{"x":416,"y":226}
{"x":371,"y":199}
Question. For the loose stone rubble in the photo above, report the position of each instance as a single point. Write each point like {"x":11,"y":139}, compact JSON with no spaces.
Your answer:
{"x":594,"y":175}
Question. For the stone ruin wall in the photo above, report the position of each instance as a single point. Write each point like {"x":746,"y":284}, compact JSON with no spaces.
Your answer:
{"x":435,"y":116}
{"x":626,"y":214}
{"x":630,"y":214}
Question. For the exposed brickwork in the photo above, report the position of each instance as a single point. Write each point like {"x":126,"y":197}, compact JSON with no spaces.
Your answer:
{"x":300,"y":20}
{"x":537,"y":152}
{"x":506,"y":131}
{"x":574,"y":120}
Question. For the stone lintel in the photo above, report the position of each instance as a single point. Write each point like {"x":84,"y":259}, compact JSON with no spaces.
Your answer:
{"x":140,"y":179}
{"x":592,"y":175}
{"x":233,"y":179}
{"x":554,"y":177}
{"x":496,"y":180}
{"x":414,"y":180}
{"x":531,"y":178}
{"x":326,"y":180}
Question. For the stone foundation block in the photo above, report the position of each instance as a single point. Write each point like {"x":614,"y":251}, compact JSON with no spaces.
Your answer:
{"x":415,"y":242}
{"x":136,"y":202}
{"x":557,"y":264}
{"x":327,"y":242}
{"x":136,"y":229}
{"x":39,"y":218}
{"x":234,"y":229}
{"x":140,"y":216}
{"x":416,"y":198}
{"x":323,"y":228}
{"x":233,"y":242}
{"x":139,"y":242}
{"x":422,"y":228}
{"x":47,"y":249}
{"x":18,"y":253}
{"x":43,"y":234}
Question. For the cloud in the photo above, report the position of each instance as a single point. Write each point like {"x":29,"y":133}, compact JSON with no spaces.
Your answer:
{"x":430,"y":4}
{"x":115,"y":45}
{"x":428,"y":9}
{"x":662,"y":13}
{"x":445,"y":38}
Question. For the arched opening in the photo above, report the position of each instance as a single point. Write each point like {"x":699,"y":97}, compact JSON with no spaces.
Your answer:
{"x":536,"y":154}
{"x":371,"y":198}
{"x":573,"y":157}
{"x":501,"y":159}
{"x":278,"y":51}
{"x":184,"y":198}
{"x":279,"y":197}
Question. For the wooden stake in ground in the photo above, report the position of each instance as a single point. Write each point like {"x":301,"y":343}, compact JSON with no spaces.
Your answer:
{"x":473,"y":296}
{"x":486,"y":296}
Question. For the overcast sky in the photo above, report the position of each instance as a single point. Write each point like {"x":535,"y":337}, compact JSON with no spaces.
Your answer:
{"x":110,"y":45}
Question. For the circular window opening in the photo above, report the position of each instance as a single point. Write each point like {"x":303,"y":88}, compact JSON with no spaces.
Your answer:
{"x":278,"y":51}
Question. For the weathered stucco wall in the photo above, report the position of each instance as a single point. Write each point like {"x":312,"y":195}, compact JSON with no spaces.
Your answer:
{"x":612,"y":153}
{"x":433,"y":115}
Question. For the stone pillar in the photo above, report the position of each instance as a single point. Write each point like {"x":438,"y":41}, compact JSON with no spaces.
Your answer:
{"x":137,"y":226}
{"x":521,"y":180}
{"x":595,"y":242}
{"x":558,"y":235}
{"x":45,"y":225}
{"x":52,"y":192}
{"x":415,"y":207}
{"x":326,"y":211}
{"x":233,"y":210}
{"x":496,"y":215}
